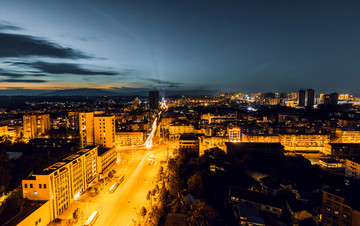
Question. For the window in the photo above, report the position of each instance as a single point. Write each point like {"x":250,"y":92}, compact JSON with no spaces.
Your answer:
{"x":25,"y":185}
{"x":35,"y":192}
{"x":31,"y":186}
{"x":39,"y":186}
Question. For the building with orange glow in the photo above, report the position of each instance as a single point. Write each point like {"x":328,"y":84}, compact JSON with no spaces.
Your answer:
{"x":304,"y":142}
{"x":63,"y":182}
{"x":4,"y":130}
{"x":96,"y":130}
{"x":176,"y":130}
{"x":104,"y":131}
{"x":347,"y":135}
{"x":260,"y":138}
{"x":106,"y":157}
{"x":342,"y":150}
{"x":129,"y":138}
{"x":86,"y":129}
{"x":73,"y":120}
{"x":36,"y":125}
{"x":234,"y":134}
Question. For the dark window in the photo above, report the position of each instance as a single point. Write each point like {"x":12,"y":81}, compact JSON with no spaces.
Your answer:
{"x":40,"y":186}
{"x":31,"y":186}
{"x":25,"y":185}
{"x":44,"y":185}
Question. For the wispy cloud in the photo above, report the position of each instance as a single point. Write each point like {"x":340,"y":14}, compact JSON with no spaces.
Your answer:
{"x":8,"y":26}
{"x":18,"y":45}
{"x":69,"y":68}
{"x":164,"y":83}
{"x":23,"y":80}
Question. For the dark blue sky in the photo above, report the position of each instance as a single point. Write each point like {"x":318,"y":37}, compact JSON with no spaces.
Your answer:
{"x":244,"y":46}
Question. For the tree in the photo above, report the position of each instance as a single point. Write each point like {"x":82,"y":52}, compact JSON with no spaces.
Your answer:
{"x":76,"y":213}
{"x":143,"y":211}
{"x":203,"y":214}
{"x":195,"y":184}
{"x":5,"y":171}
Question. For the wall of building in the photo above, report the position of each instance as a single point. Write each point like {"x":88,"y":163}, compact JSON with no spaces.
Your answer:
{"x":40,"y":217}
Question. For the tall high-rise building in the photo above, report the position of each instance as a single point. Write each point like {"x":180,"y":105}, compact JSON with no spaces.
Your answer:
{"x":36,"y":125}
{"x":154,"y":99}
{"x":334,"y":98}
{"x":104,"y":131}
{"x":96,"y":130}
{"x":309,"y":98}
{"x":301,"y":98}
{"x":330,"y":99}
{"x":86,"y":127}
{"x":73,"y":120}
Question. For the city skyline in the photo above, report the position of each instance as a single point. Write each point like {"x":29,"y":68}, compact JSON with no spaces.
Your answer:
{"x":184,"y":47}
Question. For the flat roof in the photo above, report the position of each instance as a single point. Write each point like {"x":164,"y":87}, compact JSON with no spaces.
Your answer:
{"x":30,"y":206}
{"x":65,"y":161}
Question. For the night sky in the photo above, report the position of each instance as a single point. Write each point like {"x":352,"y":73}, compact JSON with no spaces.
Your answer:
{"x":184,"y":46}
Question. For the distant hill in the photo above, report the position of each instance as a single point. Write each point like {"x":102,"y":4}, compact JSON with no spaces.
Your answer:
{"x":81,"y":92}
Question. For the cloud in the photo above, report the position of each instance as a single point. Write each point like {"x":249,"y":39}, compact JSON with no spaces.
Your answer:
{"x":7,"y":26}
{"x":69,"y":68}
{"x":23,"y":80}
{"x":164,"y":83}
{"x":21,"y":74}
{"x":17,"y":45}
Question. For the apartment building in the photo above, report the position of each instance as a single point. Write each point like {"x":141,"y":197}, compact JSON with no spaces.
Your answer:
{"x":129,"y":138}
{"x":63,"y":182}
{"x":36,"y":125}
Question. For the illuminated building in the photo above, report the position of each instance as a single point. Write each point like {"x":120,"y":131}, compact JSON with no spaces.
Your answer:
{"x":4,"y":130}
{"x":36,"y":125}
{"x":343,"y":150}
{"x":86,"y":127}
{"x":272,"y":149}
{"x":190,"y":143}
{"x":260,"y":138}
{"x":59,"y":122}
{"x":344,"y":97}
{"x":346,"y":135}
{"x":104,"y":131}
{"x":352,"y":168}
{"x":154,"y":99}
{"x":176,"y":130}
{"x":136,"y":103}
{"x":330,"y":163}
{"x":129,"y":138}
{"x":304,"y":142}
{"x":339,"y":207}
{"x":234,"y":134}
{"x":351,"y":123}
{"x":96,"y":130}
{"x":63,"y":182}
{"x":73,"y":120}
{"x":214,"y":141}
{"x":106,"y":157}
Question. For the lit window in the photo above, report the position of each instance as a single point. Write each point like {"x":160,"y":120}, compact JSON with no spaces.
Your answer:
{"x":35,"y":192}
